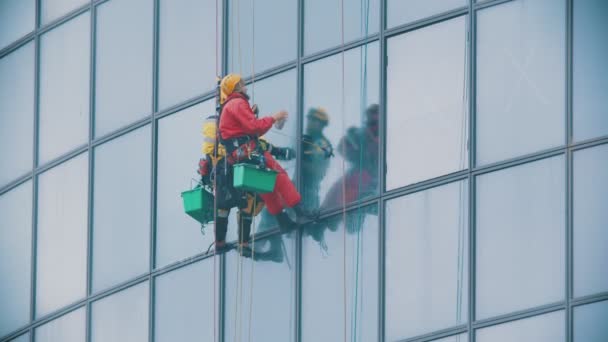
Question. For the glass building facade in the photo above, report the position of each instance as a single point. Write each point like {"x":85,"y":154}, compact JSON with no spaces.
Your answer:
{"x":465,"y":198}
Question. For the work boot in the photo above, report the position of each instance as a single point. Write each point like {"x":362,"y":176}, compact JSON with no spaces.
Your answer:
{"x":244,"y":232}
{"x":304,"y":215}
{"x":286,"y":224}
{"x":221,"y":228}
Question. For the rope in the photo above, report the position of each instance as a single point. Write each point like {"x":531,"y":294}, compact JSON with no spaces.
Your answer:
{"x":254,"y":208}
{"x":217,"y":72}
{"x":343,"y":170}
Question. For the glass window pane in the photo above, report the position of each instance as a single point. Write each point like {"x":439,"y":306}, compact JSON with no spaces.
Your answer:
{"x":121,"y":209}
{"x":124,"y":47}
{"x":590,"y":322}
{"x":16,"y":20}
{"x":67,"y":328}
{"x":323,"y":22}
{"x":22,"y":338}
{"x":15,"y":257}
{"x":590,"y":221}
{"x":264,"y":291}
{"x":590,"y":73}
{"x":16,"y":113}
{"x":122,"y":316}
{"x":62,"y":235}
{"x":544,"y":328}
{"x":427,"y":127}
{"x":520,"y":78}
{"x":323,"y":274}
{"x":458,"y":338}
{"x":520,"y":237}
{"x":405,"y":11}
{"x":186,"y":303}
{"x":178,"y":236}
{"x":53,"y":9}
{"x":187,"y":53}
{"x":352,"y":130}
{"x":64,"y":88}
{"x":275,"y":32}
{"x":426,"y":261}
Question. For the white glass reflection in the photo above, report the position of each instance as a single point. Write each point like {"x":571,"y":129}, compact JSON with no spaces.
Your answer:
{"x":53,"y":9}
{"x":121,"y":209}
{"x":67,"y":328}
{"x":123,"y":63}
{"x":545,"y":328}
{"x":16,"y":20}
{"x":590,"y":221}
{"x":64,"y":88}
{"x":405,"y":11}
{"x":427,"y":128}
{"x":521,"y":82}
{"x":62,"y":235}
{"x":590,"y":322}
{"x":16,"y":112}
{"x":15,"y":257}
{"x":520,"y":237}
{"x":426,"y":261}
{"x":122,"y":316}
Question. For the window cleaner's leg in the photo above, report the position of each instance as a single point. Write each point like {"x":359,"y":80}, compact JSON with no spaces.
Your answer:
{"x":244,"y":228}
{"x":221,"y":228}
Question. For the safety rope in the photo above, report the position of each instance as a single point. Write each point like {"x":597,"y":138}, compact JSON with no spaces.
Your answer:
{"x":343,"y":112}
{"x":215,"y":151}
{"x":255,"y":198}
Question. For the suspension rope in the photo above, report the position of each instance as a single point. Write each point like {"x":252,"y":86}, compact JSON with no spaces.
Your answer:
{"x":215,"y":151}
{"x":255,"y":198}
{"x":343,"y":112}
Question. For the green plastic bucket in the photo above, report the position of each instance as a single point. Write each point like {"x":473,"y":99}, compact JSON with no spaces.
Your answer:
{"x":251,"y":178}
{"x":198,"y":203}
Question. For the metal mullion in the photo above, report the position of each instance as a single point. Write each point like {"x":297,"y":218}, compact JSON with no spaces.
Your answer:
{"x":472,"y":148}
{"x":425,"y":185}
{"x":520,"y":315}
{"x":381,"y":168}
{"x":519,"y":161}
{"x":185,"y":104}
{"x":489,"y":3}
{"x":221,"y":281}
{"x":17,"y":44}
{"x":299,"y":132}
{"x":64,"y":19}
{"x":595,"y":298}
{"x":16,"y":182}
{"x":432,"y":20}
{"x":91,"y":164}
{"x":569,"y":288}
{"x":272,"y":71}
{"x":338,"y":48}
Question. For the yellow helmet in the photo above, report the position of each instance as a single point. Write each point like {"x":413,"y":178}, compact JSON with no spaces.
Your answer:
{"x":227,"y":86}
{"x":320,"y":114}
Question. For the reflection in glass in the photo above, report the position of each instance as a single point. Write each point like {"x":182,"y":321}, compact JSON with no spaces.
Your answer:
{"x":62,"y":235}
{"x":406,"y":11}
{"x":15,"y":257}
{"x":426,"y":261}
{"x":122,"y":316}
{"x":590,"y":322}
{"x":590,"y":220}
{"x":67,"y":328}
{"x":324,"y":293}
{"x":520,"y":237}
{"x":187,"y":49}
{"x":178,"y":236}
{"x":121,"y":209}
{"x":186,"y":303}
{"x":426,"y":103}
{"x":124,"y":47}
{"x":275,"y":32}
{"x":16,"y":112}
{"x":590,"y":78}
{"x":323,"y":22}
{"x":53,"y":9}
{"x":64,"y":88}
{"x":520,"y":78}
{"x":262,"y":291}
{"x":340,"y":144}
{"x":16,"y":20}
{"x":544,"y":328}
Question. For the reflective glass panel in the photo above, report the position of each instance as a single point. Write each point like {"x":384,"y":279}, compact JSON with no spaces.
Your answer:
{"x":340,"y":144}
{"x":122,"y":316}
{"x":123,"y":75}
{"x":327,"y":262}
{"x":22,"y":338}
{"x":427,"y":128}
{"x":323,"y":22}
{"x":545,"y":328}
{"x":590,"y":221}
{"x":263,"y":290}
{"x":458,"y":338}
{"x":67,"y":328}
{"x":590,"y":77}
{"x":590,"y":322}
{"x":121,"y":209}
{"x":64,"y":88}
{"x":178,"y":236}
{"x":16,"y":112}
{"x":53,"y":9}
{"x":16,"y":20}
{"x":520,"y":237}
{"x":274,"y":27}
{"x":187,"y":52}
{"x":405,"y":11}
{"x":426,"y":261}
{"x":62,"y":235}
{"x":185,"y":302}
{"x":15,"y":257}
{"x":521,"y":80}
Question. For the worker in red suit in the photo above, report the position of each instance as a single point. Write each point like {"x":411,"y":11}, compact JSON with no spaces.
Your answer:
{"x":239,"y":133}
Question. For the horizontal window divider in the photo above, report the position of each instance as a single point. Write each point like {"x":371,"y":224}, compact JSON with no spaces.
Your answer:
{"x":185,"y":104}
{"x":60,"y":160}
{"x":95,"y":296}
{"x":527,"y":158}
{"x":337,"y":49}
{"x":272,"y":71}
{"x":489,"y":3}
{"x":121,"y":131}
{"x":598,"y":297}
{"x":457,"y":330}
{"x":515,"y":316}
{"x":426,"y":185}
{"x":19,"y":43}
{"x":63,"y":19}
{"x":16,"y":182}
{"x":183,"y":263}
{"x":16,"y":333}
{"x":418,"y":24}
{"x":589,"y":143}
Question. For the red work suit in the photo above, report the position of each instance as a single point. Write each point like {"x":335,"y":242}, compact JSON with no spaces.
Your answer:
{"x":237,"y":120}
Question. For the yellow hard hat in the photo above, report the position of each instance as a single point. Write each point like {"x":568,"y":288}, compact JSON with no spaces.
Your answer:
{"x":227,"y":85}
{"x":319,"y":114}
